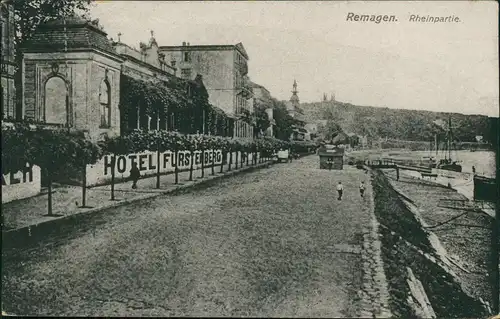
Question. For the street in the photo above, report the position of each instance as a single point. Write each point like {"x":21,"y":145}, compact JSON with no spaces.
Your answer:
{"x":274,"y":242}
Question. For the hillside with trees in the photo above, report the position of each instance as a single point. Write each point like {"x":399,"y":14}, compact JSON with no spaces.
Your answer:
{"x":410,"y":125}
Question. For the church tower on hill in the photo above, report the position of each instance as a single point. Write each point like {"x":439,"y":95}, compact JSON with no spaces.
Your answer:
{"x":293,"y":105}
{"x":295,"y":98}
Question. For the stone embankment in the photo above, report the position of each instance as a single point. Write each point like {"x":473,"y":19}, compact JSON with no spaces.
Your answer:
{"x":421,"y":281}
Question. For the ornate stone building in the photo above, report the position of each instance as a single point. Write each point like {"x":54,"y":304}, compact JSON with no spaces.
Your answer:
{"x":147,"y":62}
{"x":7,"y":30}
{"x":71,"y":76}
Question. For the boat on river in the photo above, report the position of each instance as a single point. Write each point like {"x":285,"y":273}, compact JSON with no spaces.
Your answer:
{"x":448,"y":163}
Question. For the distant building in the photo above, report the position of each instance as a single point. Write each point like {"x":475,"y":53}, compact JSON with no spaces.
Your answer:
{"x":262,"y":98}
{"x":332,"y":97}
{"x":312,"y":128}
{"x":225,"y":74}
{"x":7,"y":30}
{"x":363,"y":141}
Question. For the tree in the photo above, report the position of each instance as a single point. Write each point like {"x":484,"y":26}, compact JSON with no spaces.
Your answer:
{"x":330,"y":130}
{"x":258,"y":120}
{"x":28,"y":15}
{"x":51,"y":150}
{"x":246,"y":116}
{"x":284,"y":122}
{"x":262,"y":121}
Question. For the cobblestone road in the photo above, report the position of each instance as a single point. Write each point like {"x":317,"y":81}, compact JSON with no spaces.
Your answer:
{"x":275,"y":242}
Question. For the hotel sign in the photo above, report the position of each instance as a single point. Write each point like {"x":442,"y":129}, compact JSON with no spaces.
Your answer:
{"x":148,"y":164}
{"x":22,"y":184}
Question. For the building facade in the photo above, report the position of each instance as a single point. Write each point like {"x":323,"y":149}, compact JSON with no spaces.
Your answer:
{"x":8,"y":90}
{"x":76,"y":78}
{"x":71,"y":78}
{"x":225,"y":74}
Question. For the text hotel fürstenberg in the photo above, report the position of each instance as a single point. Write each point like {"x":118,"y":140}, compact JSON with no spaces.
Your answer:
{"x":352,"y":17}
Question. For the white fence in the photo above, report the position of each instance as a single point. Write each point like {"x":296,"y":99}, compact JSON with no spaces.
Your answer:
{"x":147,"y":163}
{"x":22,"y":184}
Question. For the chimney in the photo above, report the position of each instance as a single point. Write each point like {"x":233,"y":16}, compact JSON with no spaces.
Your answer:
{"x":183,"y":44}
{"x":188,"y":44}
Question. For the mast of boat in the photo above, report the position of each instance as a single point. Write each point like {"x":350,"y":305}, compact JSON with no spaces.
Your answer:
{"x":436,"y":143}
{"x":449,"y":137}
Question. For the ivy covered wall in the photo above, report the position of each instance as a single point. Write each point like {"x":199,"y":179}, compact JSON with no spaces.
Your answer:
{"x":177,"y":105}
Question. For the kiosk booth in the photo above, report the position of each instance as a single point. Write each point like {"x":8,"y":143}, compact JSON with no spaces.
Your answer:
{"x":331,"y":157}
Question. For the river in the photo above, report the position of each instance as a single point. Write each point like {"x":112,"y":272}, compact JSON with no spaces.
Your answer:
{"x":484,"y":161}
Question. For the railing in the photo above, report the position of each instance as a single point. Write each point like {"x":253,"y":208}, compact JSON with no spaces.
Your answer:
{"x":465,"y":204}
{"x":35,"y":125}
{"x":380,"y":163}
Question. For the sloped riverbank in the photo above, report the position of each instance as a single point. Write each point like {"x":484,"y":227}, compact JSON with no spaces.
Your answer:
{"x":411,"y":260}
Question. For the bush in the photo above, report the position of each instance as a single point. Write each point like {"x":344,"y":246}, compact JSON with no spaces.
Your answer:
{"x":56,"y":150}
{"x":51,"y":150}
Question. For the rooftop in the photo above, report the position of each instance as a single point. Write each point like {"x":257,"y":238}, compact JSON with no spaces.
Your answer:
{"x":69,"y":33}
{"x":257,"y":86}
{"x":206,"y":47}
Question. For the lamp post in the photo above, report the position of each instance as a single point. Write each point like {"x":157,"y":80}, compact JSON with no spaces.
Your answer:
{"x":84,"y":176}
{"x":158,"y":159}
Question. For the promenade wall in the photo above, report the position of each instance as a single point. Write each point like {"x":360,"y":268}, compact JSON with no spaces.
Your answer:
{"x":413,"y":257}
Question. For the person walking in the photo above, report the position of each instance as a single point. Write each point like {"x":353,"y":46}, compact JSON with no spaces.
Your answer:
{"x":135,"y":174}
{"x":362,"y":189}
{"x":340,"y":189}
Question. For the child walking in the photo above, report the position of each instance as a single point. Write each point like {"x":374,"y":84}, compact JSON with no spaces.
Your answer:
{"x":340,"y":189}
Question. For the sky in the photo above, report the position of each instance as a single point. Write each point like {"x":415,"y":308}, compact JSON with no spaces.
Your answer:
{"x":447,"y":67}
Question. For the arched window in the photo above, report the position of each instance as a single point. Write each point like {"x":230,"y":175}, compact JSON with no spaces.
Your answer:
{"x":56,"y":101}
{"x":105,"y":104}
